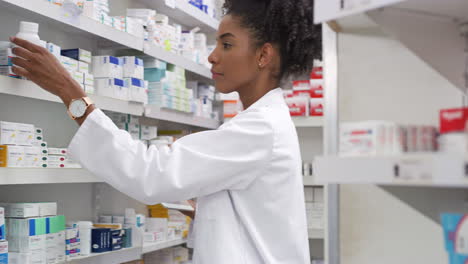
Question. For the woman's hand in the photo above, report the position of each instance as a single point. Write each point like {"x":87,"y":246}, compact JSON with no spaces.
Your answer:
{"x":40,"y":66}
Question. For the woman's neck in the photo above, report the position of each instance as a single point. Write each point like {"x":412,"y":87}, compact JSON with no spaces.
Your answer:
{"x":252,"y":93}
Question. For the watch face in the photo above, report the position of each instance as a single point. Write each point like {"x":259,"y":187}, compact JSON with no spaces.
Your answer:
{"x":78,"y":108}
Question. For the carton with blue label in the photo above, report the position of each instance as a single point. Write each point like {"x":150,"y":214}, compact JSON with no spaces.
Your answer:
{"x":455,"y":235}
{"x":2,"y":224}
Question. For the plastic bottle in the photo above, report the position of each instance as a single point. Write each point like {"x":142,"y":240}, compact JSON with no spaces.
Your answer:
{"x":29,"y":31}
{"x":84,"y":227}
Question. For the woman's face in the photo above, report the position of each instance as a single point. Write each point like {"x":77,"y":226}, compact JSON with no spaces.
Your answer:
{"x":234,"y":60}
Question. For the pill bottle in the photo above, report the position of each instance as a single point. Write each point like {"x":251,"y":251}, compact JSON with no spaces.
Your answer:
{"x":29,"y":31}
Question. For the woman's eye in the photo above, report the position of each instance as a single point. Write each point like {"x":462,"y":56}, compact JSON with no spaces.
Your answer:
{"x":227,"y":45}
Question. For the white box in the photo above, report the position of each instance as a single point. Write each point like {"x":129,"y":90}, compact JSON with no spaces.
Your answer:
{"x":19,"y":258}
{"x":21,"y":210}
{"x":137,"y":91}
{"x":55,"y":50}
{"x":118,"y":219}
{"x":109,"y":87}
{"x":156,"y":224}
{"x":60,"y":246}
{"x":89,"y":89}
{"x":79,"y":77}
{"x":105,"y":219}
{"x":58,"y":151}
{"x":51,"y":248}
{"x":148,"y":132}
{"x":366,"y":138}
{"x":107,"y":67}
{"x":88,"y":79}
{"x":133,"y":67}
{"x":15,"y":156}
{"x":83,"y":67}
{"x":32,"y":157}
{"x":8,"y":133}
{"x":78,"y":55}
{"x":3,"y":251}
{"x":47,"y":208}
{"x":5,"y":57}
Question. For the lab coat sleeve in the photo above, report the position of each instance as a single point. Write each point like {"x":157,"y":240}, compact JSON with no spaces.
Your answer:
{"x":200,"y":164}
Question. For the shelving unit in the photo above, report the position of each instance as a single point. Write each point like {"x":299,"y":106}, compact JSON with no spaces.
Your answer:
{"x":48,"y":13}
{"x":309,"y":121}
{"x":392,"y":37}
{"x":179,"y":117}
{"x":151,"y":247}
{"x":310,"y":181}
{"x":424,"y":170}
{"x":185,"y":14}
{"x":12,"y":176}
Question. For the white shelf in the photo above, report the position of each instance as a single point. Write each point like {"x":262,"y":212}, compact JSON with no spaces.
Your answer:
{"x":154,"y":112}
{"x":315,"y":233}
{"x":43,"y":12}
{"x":425,"y":170}
{"x":10,"y":176}
{"x":179,"y":60}
{"x":29,"y":89}
{"x":185,"y":14}
{"x":308,"y":121}
{"x":310,"y":181}
{"x":150,"y":247}
{"x":110,"y":257}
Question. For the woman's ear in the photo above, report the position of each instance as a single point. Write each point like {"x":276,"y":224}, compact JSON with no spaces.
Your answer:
{"x":265,"y":55}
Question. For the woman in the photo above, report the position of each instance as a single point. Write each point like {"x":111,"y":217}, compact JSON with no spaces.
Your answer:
{"x":246,"y":175}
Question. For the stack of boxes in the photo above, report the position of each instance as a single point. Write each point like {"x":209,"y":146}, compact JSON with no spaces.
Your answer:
{"x":204,"y":98}
{"x":306,"y":98}
{"x":98,"y":10}
{"x":167,"y":86}
{"x":73,"y":243}
{"x":77,"y":63}
{"x":314,"y":198}
{"x":131,"y":124}
{"x":231,"y":104}
{"x":23,"y":146}
{"x":207,"y":6}
{"x":120,"y":78}
{"x":165,"y":224}
{"x":3,"y":242}
{"x":35,"y":233}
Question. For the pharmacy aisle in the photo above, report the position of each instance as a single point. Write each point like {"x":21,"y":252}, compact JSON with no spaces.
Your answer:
{"x":147,"y":70}
{"x":398,"y":131}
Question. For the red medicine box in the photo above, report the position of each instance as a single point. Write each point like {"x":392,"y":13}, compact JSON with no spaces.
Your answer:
{"x":453,"y":120}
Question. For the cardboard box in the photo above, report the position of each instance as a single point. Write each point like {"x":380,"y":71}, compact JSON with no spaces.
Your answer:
{"x":107,"y":67}
{"x":453,"y":120}
{"x":78,"y":54}
{"x":21,"y":210}
{"x":12,"y":156}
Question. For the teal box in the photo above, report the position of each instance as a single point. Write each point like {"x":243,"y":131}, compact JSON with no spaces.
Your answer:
{"x":154,"y":75}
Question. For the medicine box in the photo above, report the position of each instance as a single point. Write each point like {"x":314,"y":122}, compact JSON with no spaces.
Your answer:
{"x":101,"y":240}
{"x":5,"y":57}
{"x":79,"y":77}
{"x":107,"y":67}
{"x":26,"y":235}
{"x":133,"y":67}
{"x":108,"y":86}
{"x":47,"y":209}
{"x":453,"y":120}
{"x":8,"y":71}
{"x":316,"y":107}
{"x":148,"y":132}
{"x":8,"y":133}
{"x":88,"y":79}
{"x":32,"y":157}
{"x":137,"y":90}
{"x":54,"y":49}
{"x":3,"y":252}
{"x":58,"y":151}
{"x":78,"y":54}
{"x":21,"y":210}
{"x":362,"y":138}
{"x":12,"y":156}
{"x":83,"y":67}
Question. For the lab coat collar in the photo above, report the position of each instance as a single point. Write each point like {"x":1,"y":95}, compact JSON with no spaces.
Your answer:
{"x":273,"y":97}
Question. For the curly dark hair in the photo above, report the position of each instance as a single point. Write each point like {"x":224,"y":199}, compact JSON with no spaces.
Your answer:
{"x":288,"y":24}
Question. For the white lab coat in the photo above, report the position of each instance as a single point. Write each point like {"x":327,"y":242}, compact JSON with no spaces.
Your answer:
{"x":246,"y":176}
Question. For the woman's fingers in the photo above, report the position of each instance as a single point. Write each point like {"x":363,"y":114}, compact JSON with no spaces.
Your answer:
{"x":20,"y":62}
{"x":23,"y":53}
{"x":25,"y":44}
{"x":20,"y":72}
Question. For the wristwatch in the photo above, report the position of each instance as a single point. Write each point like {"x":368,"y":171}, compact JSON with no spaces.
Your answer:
{"x":77,"y":107}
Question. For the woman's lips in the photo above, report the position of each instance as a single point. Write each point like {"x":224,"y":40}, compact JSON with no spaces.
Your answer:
{"x":216,"y":74}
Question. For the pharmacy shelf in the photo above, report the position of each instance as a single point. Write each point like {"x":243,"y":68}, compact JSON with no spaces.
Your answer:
{"x":443,"y":170}
{"x":178,"y":60}
{"x":154,"y":112}
{"x":184,"y":13}
{"x":151,"y":247}
{"x":310,"y":121}
{"x":310,"y":181}
{"x":111,"y":257}
{"x":12,"y":176}
{"x":28,"y":89}
{"x":316,"y":233}
{"x":44,"y":13}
